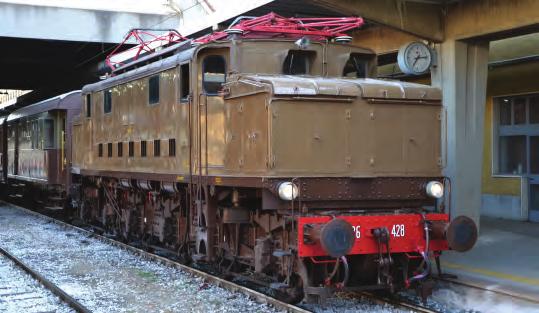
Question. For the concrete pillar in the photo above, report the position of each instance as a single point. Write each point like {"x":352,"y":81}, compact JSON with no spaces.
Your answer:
{"x":462,"y":75}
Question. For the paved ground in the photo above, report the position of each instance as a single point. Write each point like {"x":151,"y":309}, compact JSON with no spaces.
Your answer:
{"x":505,"y":258}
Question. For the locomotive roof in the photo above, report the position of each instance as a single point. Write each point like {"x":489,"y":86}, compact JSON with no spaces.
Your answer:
{"x":348,"y":87}
{"x":181,"y":52}
{"x":63,"y":101}
{"x":146,"y":70}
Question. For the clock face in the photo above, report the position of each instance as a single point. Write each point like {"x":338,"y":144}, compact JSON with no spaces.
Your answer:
{"x":415,"y":58}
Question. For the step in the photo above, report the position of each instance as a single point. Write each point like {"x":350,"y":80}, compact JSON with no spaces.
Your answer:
{"x":281,"y":253}
{"x":54,"y":208}
{"x":279,"y":286}
{"x":56,"y":198}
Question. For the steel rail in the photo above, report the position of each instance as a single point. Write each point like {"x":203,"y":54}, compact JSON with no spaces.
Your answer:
{"x":253,"y":294}
{"x":397,"y":303}
{"x":72,"y":302}
{"x":479,"y":287}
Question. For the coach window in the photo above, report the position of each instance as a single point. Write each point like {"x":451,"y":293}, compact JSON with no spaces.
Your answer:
{"x":184,"y":82}
{"x":355,"y":67}
{"x":35,"y":135}
{"x":107,"y":102}
{"x":88,"y":105}
{"x":153,"y":90}
{"x":298,"y":62}
{"x":48,"y":132}
{"x":214,"y":68}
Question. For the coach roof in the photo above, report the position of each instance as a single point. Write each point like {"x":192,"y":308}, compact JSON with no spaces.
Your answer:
{"x":63,"y":101}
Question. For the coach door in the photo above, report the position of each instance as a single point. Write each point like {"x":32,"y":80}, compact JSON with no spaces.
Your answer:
{"x":15,"y":149}
{"x":211,"y":121}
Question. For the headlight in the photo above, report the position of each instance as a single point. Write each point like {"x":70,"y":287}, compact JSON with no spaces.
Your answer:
{"x":435,"y":189}
{"x":288,"y":191}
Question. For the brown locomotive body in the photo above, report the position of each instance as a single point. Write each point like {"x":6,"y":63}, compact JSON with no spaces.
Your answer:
{"x":275,"y":159}
{"x":187,"y":150}
{"x":261,"y":125}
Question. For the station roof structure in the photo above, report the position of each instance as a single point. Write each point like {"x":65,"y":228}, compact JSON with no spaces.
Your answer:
{"x":51,"y":66}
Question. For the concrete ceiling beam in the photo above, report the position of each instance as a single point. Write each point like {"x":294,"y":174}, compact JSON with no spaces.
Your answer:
{"x":421,"y":19}
{"x":491,"y":19}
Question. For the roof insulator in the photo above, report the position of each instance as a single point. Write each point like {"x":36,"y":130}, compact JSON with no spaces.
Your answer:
{"x":343,"y":39}
{"x":234,"y":31}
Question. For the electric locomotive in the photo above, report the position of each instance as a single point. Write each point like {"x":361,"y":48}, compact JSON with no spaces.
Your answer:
{"x":269,"y":152}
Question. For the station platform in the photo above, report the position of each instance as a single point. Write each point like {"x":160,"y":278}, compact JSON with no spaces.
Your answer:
{"x":505,"y":259}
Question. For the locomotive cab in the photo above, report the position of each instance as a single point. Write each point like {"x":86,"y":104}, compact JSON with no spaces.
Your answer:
{"x":345,"y":143}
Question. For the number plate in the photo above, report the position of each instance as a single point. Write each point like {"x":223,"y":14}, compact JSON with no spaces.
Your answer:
{"x":405,"y":231}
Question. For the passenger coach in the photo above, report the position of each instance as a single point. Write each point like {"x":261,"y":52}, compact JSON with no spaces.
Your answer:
{"x":38,"y":150}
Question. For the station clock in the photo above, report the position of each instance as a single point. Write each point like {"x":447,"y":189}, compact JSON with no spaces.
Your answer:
{"x":415,"y":58}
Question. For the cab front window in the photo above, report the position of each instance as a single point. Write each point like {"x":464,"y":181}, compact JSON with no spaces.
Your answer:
{"x":298,"y":62}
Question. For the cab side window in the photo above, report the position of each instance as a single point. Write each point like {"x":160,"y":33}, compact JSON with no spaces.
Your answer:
{"x":214,"y":73}
{"x":184,"y":82}
{"x":107,"y":102}
{"x":88,"y":105}
{"x":153,"y":90}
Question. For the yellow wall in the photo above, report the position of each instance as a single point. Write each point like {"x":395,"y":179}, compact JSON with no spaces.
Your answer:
{"x":506,"y":80}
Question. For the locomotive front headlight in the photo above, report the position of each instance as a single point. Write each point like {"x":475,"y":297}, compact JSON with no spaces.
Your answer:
{"x":435,"y":189}
{"x":288,"y":191}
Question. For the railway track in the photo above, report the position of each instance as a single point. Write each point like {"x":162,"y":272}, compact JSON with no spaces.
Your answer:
{"x":24,"y":290}
{"x":206,"y":279}
{"x":388,"y":305}
{"x":361,"y":300}
{"x":453,"y":281}
{"x":405,"y":305}
{"x":72,"y":302}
